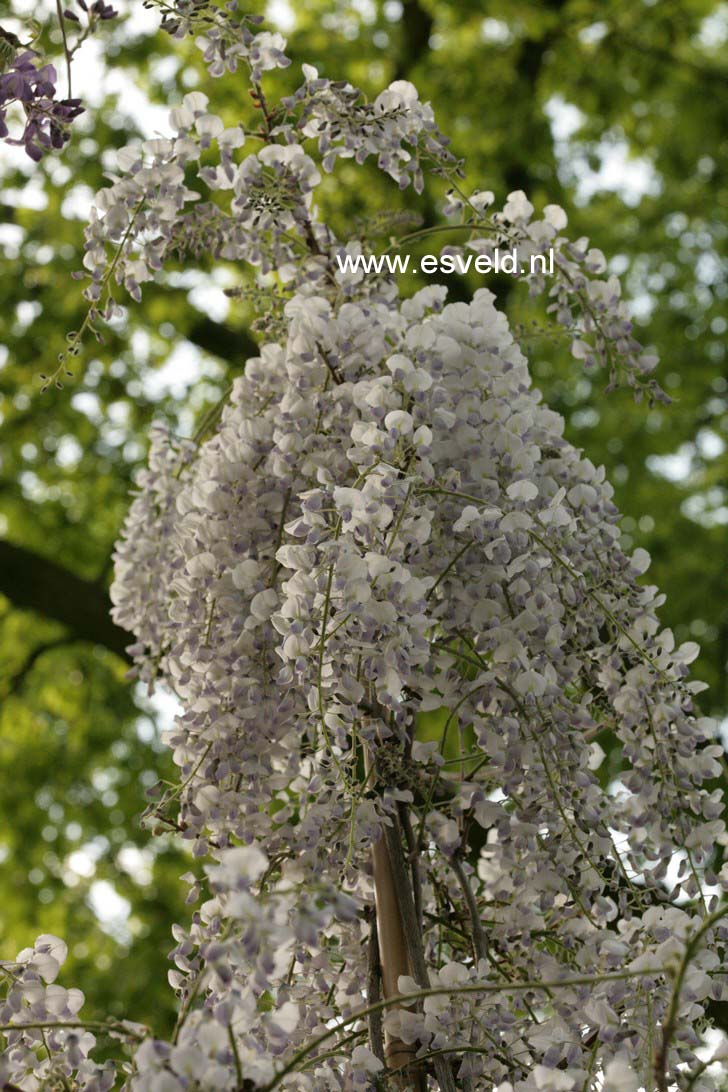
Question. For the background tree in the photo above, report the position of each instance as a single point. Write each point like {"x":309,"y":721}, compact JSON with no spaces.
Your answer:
{"x":558,"y":99}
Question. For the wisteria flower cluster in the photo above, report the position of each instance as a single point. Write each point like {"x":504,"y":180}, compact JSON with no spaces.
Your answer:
{"x":46,"y":119}
{"x":583,"y":301}
{"x":343,"y":555}
{"x":254,"y":204}
{"x":47,"y":1044}
{"x":393,"y":603}
{"x":28,"y":83}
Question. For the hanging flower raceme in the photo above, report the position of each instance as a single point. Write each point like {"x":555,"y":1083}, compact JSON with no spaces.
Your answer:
{"x":392,"y":601}
{"x":46,"y":119}
{"x":31,"y":114}
{"x":346,"y":555}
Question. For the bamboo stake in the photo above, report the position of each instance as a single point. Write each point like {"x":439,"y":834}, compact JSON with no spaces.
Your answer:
{"x":394,"y":962}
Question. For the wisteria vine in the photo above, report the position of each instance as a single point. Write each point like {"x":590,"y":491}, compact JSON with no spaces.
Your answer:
{"x":392,"y":601}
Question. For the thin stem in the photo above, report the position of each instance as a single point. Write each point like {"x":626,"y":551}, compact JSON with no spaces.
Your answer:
{"x":186,"y":1008}
{"x":422,"y":233}
{"x":463,"y":1050}
{"x":374,"y":992}
{"x":320,"y":675}
{"x":260,"y":100}
{"x":451,"y":565}
{"x":438,"y":991}
{"x":480,"y":941}
{"x":90,"y":1025}
{"x":76,"y":339}
{"x":668,"y":1027}
{"x":435,"y":780}
{"x":413,"y":854}
{"x":66,"y":50}
{"x":398,"y":523}
{"x":210,"y":418}
{"x":236,"y":1055}
{"x":279,"y":534}
{"x":698,"y":1073}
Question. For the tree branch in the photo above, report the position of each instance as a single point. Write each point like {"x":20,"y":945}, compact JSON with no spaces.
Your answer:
{"x":33,"y":582}
{"x":417,"y":24}
{"x":235,"y":346}
{"x":18,"y":679}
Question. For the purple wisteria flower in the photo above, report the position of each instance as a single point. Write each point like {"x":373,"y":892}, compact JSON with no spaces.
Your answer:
{"x":99,"y":9}
{"x":47,"y":119}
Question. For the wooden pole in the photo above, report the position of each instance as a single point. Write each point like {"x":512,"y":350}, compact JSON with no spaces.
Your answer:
{"x":394,"y":962}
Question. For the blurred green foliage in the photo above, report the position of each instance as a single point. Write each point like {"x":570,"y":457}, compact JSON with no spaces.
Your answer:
{"x":613,"y":108}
